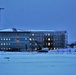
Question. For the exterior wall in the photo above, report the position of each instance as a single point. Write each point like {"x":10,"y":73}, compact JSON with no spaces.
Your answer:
{"x":33,"y":40}
{"x":12,"y":40}
{"x":50,"y":39}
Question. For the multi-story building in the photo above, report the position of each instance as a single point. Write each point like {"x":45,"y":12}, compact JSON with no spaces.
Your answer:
{"x":32,"y":39}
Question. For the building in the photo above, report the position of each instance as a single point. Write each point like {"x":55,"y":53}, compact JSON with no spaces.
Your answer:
{"x":13,"y":39}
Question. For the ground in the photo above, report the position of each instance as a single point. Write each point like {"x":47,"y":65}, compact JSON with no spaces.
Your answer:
{"x":37,"y":63}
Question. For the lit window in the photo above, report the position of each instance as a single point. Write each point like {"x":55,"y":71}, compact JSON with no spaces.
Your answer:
{"x":48,"y":44}
{"x":35,"y":48}
{"x":4,"y":43}
{"x":54,"y":48}
{"x":32,"y":34}
{"x":1,"y":38}
{"x":48,"y":39}
{"x":30,"y":39}
{"x":48,"y":34}
{"x":9,"y":38}
{"x":6,"y":38}
{"x":9,"y":48}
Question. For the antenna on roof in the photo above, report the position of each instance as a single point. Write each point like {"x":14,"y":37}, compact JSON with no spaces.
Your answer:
{"x":0,"y":15}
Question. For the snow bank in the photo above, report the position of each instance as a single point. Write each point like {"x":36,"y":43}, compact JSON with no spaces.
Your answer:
{"x":58,"y":51}
{"x":66,"y":50}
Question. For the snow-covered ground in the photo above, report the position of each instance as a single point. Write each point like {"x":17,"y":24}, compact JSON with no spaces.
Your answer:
{"x":32,"y":63}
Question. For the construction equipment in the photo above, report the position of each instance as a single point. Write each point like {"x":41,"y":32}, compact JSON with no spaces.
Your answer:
{"x":41,"y":49}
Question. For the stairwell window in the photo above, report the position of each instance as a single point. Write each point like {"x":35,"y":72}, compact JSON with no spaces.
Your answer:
{"x":48,"y":39}
{"x":48,"y":44}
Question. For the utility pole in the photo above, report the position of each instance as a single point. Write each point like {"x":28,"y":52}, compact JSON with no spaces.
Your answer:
{"x":0,"y":14}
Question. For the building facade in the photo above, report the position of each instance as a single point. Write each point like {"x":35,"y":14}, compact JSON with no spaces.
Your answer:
{"x":32,"y":40}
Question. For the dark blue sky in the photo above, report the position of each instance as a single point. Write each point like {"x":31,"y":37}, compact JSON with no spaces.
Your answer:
{"x":40,"y":14}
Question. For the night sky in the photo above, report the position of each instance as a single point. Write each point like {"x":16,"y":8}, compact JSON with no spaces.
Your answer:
{"x":40,"y":15}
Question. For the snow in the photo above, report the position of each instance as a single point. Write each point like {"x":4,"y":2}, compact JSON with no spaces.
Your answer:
{"x":10,"y":29}
{"x":33,"y":63}
{"x":6,"y":30}
{"x":66,"y":50}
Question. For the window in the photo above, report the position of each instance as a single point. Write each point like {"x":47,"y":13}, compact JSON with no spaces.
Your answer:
{"x":54,"y":39}
{"x":51,"y":43}
{"x":48,"y":44}
{"x":51,"y":48}
{"x":9,"y":44}
{"x":9,"y":48}
{"x":16,"y":40}
{"x":1,"y":43}
{"x":35,"y":43}
{"x":1,"y":48}
{"x":54,"y":48}
{"x":33,"y":39}
{"x":33,"y":34}
{"x":4,"y":43}
{"x":30,"y":43}
{"x":6,"y":38}
{"x":1,"y":38}
{"x":48,"y":39}
{"x":35,"y":48}
{"x":30,"y":39}
{"x":48,"y":34}
{"x":25,"y":38}
{"x":25,"y":34}
{"x":16,"y":34}
{"x":4,"y":48}
{"x":57,"y":48}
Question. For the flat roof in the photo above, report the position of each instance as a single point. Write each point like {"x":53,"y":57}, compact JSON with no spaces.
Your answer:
{"x":19,"y":30}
